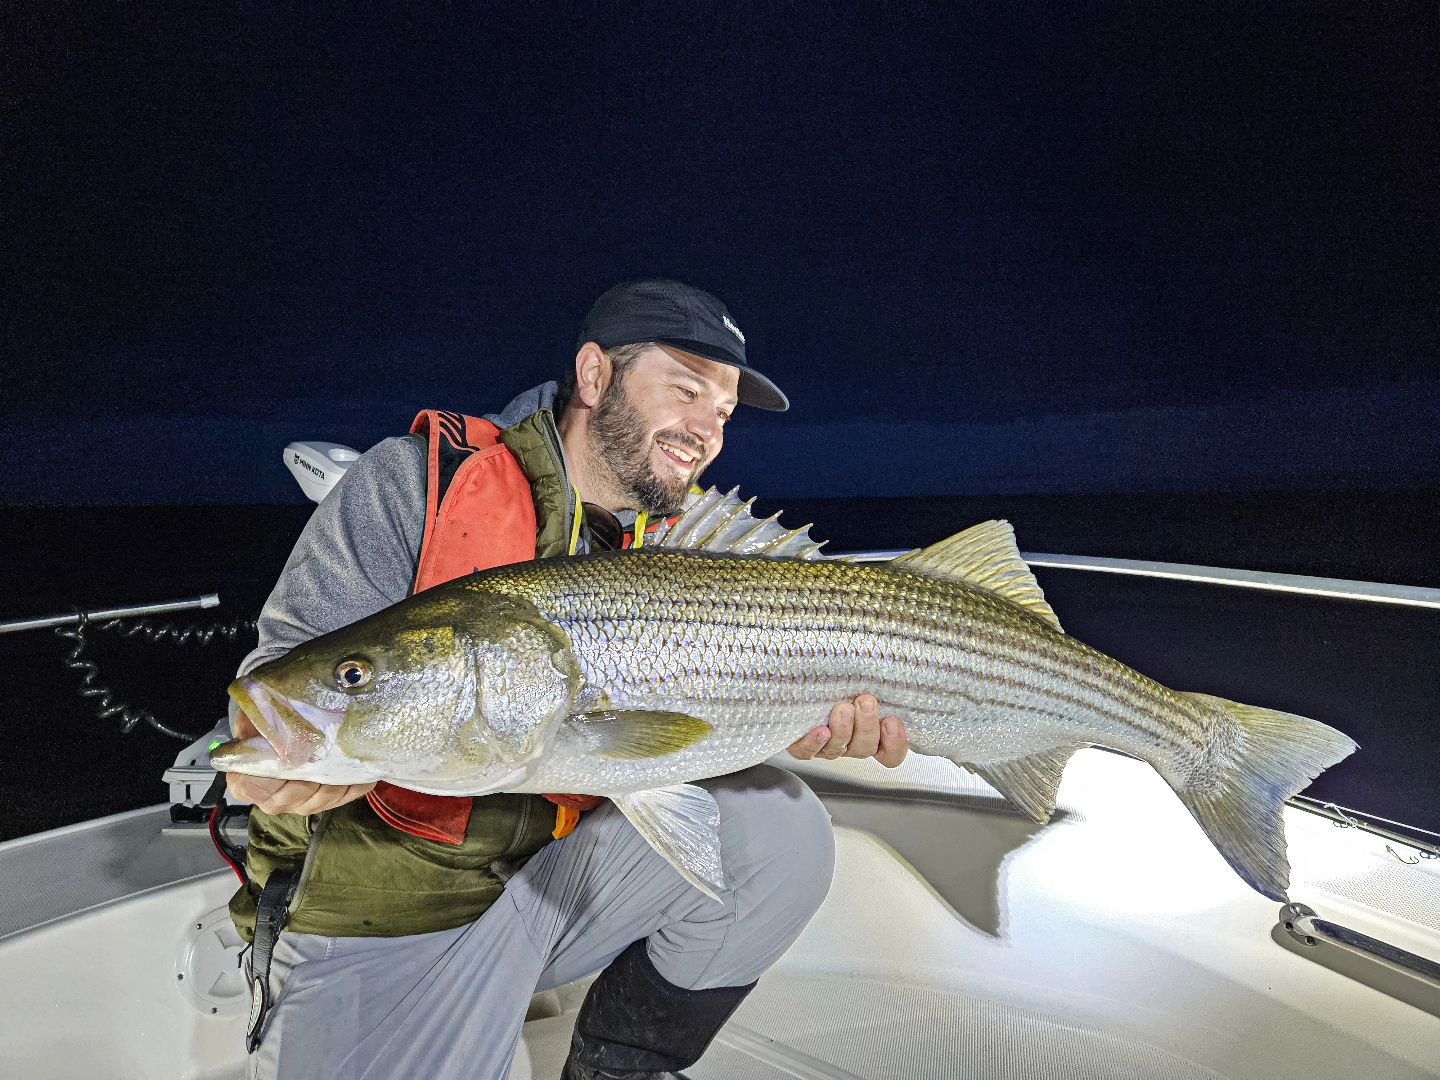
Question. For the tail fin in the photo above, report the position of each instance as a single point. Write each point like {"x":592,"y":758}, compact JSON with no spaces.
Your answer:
{"x":1239,"y":804}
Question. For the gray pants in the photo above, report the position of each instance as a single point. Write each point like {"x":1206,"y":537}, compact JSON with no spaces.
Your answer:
{"x":451,"y":1004}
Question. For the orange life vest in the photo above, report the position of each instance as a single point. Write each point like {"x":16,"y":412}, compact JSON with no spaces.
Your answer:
{"x":479,"y":513}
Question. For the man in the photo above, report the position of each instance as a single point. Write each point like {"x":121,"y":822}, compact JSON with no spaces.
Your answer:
{"x":419,"y":927}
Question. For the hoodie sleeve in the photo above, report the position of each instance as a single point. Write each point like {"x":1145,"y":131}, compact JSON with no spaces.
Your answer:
{"x":356,"y":555}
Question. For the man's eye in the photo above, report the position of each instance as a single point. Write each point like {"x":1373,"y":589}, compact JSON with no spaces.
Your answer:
{"x":686,"y":393}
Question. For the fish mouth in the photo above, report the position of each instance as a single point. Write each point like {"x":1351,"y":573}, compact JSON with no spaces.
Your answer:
{"x":293,"y":737}
{"x":254,"y":755}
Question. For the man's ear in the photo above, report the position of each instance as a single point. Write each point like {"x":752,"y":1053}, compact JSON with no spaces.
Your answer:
{"x":592,"y":374}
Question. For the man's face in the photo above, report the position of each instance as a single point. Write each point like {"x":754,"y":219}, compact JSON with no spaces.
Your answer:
{"x":661,"y":422}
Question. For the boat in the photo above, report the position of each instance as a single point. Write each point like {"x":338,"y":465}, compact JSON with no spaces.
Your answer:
{"x":959,"y":938}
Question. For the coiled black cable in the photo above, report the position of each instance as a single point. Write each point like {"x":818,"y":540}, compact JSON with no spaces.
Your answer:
{"x":104,"y":697}
{"x":185,"y":635}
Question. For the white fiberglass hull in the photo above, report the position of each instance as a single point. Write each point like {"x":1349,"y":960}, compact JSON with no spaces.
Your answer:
{"x":959,"y":940}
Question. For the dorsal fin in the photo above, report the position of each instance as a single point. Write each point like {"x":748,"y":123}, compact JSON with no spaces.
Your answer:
{"x":984,"y":555}
{"x":724,"y":524}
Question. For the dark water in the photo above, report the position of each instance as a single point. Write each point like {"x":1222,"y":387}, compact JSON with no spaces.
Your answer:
{"x":1372,"y":671}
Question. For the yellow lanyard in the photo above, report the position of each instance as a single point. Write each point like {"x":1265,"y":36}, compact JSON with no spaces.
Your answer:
{"x":641,"y":519}
{"x":575,"y":525}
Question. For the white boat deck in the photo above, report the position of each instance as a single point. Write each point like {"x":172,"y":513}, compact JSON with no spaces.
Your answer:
{"x":958,"y":940}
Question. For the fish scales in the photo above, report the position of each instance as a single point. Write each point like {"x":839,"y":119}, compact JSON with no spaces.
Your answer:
{"x":708,"y":636}
{"x":1033,"y":668}
{"x":786,"y":620}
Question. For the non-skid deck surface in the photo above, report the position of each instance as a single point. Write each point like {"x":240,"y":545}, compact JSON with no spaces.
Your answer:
{"x":837,"y":1028}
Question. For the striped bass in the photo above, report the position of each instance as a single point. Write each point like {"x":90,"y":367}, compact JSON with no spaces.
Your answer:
{"x":629,"y":674}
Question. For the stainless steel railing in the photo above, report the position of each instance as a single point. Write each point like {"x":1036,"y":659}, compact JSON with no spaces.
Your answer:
{"x":1378,"y":964}
{"x":134,"y":611}
{"x":1297,"y":584}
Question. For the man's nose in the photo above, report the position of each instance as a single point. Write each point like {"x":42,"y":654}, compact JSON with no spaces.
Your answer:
{"x":704,"y":425}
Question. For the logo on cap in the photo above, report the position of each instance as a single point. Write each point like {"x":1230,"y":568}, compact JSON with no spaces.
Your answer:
{"x":732,"y":328}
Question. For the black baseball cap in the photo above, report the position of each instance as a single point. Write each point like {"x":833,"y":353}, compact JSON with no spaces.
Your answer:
{"x":681,"y":316}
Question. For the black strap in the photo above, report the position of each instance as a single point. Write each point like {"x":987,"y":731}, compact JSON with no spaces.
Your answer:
{"x":272,"y":912}
{"x":449,"y":433}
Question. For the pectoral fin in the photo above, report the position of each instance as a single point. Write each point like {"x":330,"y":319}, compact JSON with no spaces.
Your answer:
{"x":635,"y":735}
{"x":682,"y":823}
{"x":1029,"y":783}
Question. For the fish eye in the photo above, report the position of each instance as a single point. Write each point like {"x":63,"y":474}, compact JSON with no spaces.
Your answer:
{"x":352,"y":674}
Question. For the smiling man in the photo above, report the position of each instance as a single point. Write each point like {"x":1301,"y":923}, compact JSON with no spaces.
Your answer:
{"x":417,"y":928}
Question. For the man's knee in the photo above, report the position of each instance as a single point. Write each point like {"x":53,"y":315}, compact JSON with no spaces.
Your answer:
{"x":776,"y":837}
{"x":778,"y":852}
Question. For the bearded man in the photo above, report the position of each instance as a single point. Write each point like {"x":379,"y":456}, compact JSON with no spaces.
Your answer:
{"x":417,"y":928}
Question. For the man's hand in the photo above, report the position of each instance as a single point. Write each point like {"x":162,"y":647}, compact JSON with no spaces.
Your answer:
{"x":286,"y":796}
{"x":856,"y":730}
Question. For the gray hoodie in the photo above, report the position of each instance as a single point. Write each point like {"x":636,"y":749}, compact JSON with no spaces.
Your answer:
{"x":358,"y":552}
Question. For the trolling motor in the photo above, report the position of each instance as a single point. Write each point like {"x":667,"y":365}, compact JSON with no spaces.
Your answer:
{"x":207,"y":967}
{"x":195,"y":788}
{"x":318,"y":466}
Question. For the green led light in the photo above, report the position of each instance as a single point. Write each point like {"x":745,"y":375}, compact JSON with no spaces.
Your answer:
{"x":217,"y":742}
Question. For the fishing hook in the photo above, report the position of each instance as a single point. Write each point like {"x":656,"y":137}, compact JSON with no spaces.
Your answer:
{"x":1346,"y":821}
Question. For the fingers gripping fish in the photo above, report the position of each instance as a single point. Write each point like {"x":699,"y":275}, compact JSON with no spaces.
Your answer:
{"x":631,"y":674}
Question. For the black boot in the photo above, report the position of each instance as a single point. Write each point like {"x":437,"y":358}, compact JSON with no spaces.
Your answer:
{"x":636,"y":1026}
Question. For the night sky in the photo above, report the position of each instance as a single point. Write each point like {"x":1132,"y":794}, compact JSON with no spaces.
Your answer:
{"x":991,"y":248}
{"x":1151,"y":279}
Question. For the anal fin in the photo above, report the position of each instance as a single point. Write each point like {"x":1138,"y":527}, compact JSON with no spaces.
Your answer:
{"x":682,"y":823}
{"x":1028,"y":783}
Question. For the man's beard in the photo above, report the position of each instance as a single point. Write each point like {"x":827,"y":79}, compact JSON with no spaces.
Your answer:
{"x":621,"y":438}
